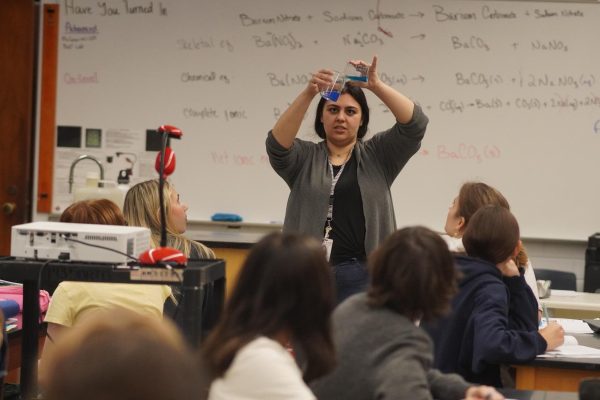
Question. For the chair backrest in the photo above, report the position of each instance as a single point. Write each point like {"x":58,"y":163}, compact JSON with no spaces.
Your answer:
{"x":561,"y":280}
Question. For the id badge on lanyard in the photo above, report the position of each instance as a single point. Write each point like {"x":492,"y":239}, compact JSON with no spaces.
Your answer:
{"x":327,"y":242}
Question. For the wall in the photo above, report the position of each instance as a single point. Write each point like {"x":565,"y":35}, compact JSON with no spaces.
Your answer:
{"x":559,"y":255}
{"x":511,"y":89}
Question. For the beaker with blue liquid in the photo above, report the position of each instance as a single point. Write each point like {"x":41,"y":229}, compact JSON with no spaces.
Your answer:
{"x":333,"y":91}
{"x":356,"y":73}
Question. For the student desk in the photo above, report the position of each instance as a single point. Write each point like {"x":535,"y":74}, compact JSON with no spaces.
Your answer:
{"x":537,"y":395}
{"x":200,"y":277}
{"x":560,"y":374}
{"x":231,"y":241}
{"x":579,"y":305}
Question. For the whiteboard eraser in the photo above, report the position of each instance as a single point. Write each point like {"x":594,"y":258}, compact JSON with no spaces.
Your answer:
{"x":226,"y":217}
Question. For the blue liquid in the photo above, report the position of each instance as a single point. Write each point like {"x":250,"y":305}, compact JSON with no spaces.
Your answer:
{"x":332,"y":95}
{"x":357,"y":78}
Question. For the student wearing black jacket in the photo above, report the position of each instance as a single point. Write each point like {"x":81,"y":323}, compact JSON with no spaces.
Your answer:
{"x":478,"y":336}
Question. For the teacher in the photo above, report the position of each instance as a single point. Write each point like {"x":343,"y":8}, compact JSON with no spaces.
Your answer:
{"x":340,"y":186}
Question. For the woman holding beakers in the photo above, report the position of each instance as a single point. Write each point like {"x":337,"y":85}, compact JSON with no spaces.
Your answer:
{"x":340,"y":187}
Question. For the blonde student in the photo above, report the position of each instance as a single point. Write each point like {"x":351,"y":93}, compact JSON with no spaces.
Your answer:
{"x":142,"y":208}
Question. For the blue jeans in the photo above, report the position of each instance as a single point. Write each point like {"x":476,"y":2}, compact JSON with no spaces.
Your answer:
{"x":351,"y":277}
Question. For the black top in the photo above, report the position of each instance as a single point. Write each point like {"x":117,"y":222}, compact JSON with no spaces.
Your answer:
{"x":348,"y":223}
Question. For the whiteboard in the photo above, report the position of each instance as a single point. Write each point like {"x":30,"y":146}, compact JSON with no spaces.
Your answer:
{"x":511,"y":90}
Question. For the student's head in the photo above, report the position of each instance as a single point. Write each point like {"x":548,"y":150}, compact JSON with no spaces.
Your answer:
{"x":142,"y":207}
{"x":492,"y":234}
{"x":413,"y":273}
{"x":471,"y":197}
{"x":352,"y":107}
{"x":100,"y":211}
{"x":121,"y":355}
{"x":284,"y":287}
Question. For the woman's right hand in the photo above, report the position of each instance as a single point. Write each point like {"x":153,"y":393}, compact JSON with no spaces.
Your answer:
{"x":554,"y":334}
{"x":319,"y":81}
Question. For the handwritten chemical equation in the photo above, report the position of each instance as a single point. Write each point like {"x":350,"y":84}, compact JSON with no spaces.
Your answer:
{"x":467,"y":152}
{"x":437,"y":12}
{"x":556,"y":100}
{"x":530,"y":80}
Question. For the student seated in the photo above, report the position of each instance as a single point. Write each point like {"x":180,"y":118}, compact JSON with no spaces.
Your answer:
{"x":477,"y":337}
{"x":142,"y":208}
{"x":284,"y":295}
{"x":382,"y":353}
{"x":121,"y":355}
{"x":71,"y":300}
{"x":471,"y":197}
{"x":97,"y":211}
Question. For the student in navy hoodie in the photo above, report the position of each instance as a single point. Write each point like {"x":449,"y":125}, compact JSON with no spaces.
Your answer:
{"x":477,"y":337}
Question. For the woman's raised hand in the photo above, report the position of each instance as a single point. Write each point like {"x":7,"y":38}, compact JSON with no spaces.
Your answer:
{"x":320,"y":80}
{"x":372,"y":75}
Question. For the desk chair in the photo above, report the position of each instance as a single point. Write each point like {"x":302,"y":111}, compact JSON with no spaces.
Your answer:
{"x":561,"y":280}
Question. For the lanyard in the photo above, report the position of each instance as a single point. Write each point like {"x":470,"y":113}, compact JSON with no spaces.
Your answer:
{"x":334,"y":181}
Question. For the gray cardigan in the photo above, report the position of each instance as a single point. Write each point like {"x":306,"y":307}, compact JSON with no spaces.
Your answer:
{"x":380,"y":159}
{"x":383,"y":355}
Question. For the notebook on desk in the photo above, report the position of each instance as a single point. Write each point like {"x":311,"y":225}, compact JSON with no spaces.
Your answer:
{"x":572,"y":326}
{"x":572,"y":349}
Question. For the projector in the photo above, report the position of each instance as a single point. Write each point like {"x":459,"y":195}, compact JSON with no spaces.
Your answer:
{"x":78,"y":242}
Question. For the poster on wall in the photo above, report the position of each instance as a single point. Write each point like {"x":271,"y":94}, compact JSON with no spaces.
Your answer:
{"x":99,"y":161}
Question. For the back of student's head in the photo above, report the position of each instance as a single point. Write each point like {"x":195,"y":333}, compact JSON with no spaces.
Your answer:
{"x":474,"y":195}
{"x":121,"y":356}
{"x":100,"y":211}
{"x":285,"y":285}
{"x":413,"y":273}
{"x":492,"y":234}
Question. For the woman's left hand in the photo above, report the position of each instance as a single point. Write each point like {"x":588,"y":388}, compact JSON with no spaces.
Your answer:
{"x":372,"y":74}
